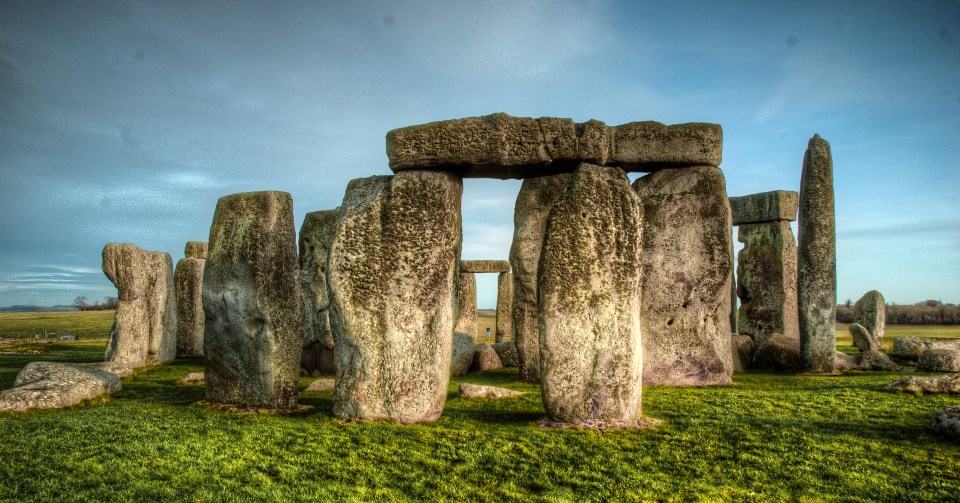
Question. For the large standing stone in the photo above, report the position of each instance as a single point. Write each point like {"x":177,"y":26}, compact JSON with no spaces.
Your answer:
{"x":589,"y":302}
{"x":767,"y":280}
{"x":54,"y":385}
{"x":316,"y":235}
{"x":253,"y":303}
{"x":145,"y":325}
{"x":467,"y":305}
{"x":188,"y":279}
{"x":393,"y":269}
{"x":817,"y":260}
{"x":687,"y":265}
{"x":535,"y":201}
{"x":504,"y":307}
{"x":871,"y":312}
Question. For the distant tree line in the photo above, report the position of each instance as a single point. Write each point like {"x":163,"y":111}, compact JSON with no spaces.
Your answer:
{"x":928,"y":312}
{"x":108,"y":303}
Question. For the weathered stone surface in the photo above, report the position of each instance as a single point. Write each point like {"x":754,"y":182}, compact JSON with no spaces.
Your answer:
{"x":485,"y":359}
{"x":195,"y":249}
{"x":687,"y":266}
{"x":501,"y":146}
{"x":535,"y":201}
{"x":316,"y":236}
{"x":846,"y":362}
{"x":188,"y":279}
{"x":780,"y":352}
{"x":116,"y":368}
{"x":321,"y":385}
{"x":776,"y":205}
{"x":478,"y":266}
{"x":908,"y":347}
{"x":52,"y":385}
{"x":946,"y":384}
{"x":939,"y":360}
{"x":871,"y":312}
{"x":947,"y":422}
{"x":253,"y":303}
{"x":393,"y":281}
{"x":767,"y":281}
{"x":861,"y":338}
{"x":743,"y":347}
{"x":467,"y":304}
{"x":589,"y":299}
{"x":507,"y":351}
{"x":194,"y":378}
{"x":875,"y":360}
{"x":462,"y":354}
{"x":504,"y":307}
{"x":817,"y":259}
{"x":145,"y":325}
{"x":478,"y":391}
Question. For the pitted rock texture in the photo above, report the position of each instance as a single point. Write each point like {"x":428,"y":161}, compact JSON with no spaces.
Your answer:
{"x":687,"y":265}
{"x":462,"y":353}
{"x":145,"y":325}
{"x":945,"y":384}
{"x":485,"y":359}
{"x":767,"y":281}
{"x":484,"y":266}
{"x":939,"y":360}
{"x":501,"y":146}
{"x":773,"y":206}
{"x":507,"y":351}
{"x":316,"y":236}
{"x":478,"y":391}
{"x":195,"y":249}
{"x":817,"y":259}
{"x":861,"y":338}
{"x":871,"y":312}
{"x":908,"y":347}
{"x":589,"y":298}
{"x":875,"y":360}
{"x":535,"y":201}
{"x":504,"y":307}
{"x":467,"y":304}
{"x":947,"y":422}
{"x":188,"y":279}
{"x":779,"y":352}
{"x":53,"y":385}
{"x":253,"y":303}
{"x":393,"y":269}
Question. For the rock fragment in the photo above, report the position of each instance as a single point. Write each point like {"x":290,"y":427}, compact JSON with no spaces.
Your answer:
{"x":462,"y":353}
{"x":478,"y":391}
{"x":947,"y":422}
{"x":485,"y":359}
{"x":939,"y":360}
{"x":945,"y":384}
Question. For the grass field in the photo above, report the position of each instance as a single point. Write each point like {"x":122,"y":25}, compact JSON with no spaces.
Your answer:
{"x":86,"y":324}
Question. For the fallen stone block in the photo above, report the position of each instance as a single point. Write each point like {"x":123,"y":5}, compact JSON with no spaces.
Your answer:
{"x":485,"y":359}
{"x":945,"y":384}
{"x":507,"y":351}
{"x":52,"y":385}
{"x":939,"y":360}
{"x":478,"y":391}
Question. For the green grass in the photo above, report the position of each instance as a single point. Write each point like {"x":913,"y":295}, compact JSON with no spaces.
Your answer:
{"x":845,"y":341}
{"x":769,"y":437}
{"x":86,"y":324}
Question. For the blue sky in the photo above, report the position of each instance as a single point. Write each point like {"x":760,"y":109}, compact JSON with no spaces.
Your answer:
{"x":125,"y":121}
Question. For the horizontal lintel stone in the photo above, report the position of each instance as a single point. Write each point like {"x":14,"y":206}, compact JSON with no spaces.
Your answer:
{"x":764,"y":207}
{"x":484,"y":266}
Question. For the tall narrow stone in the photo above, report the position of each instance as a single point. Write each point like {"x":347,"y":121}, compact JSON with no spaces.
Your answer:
{"x":145,"y":325}
{"x":871,"y":312}
{"x":253,"y":303}
{"x":467,"y":305}
{"x":535,"y":200}
{"x":316,"y":236}
{"x":188,"y":279}
{"x":686,"y":262}
{"x":767,"y":281}
{"x":393,"y":268}
{"x":817,"y":260}
{"x":589,"y":302}
{"x":504,"y":307}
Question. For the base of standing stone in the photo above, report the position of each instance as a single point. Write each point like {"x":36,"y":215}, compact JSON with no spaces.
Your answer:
{"x":238,"y":409}
{"x":644,"y":423}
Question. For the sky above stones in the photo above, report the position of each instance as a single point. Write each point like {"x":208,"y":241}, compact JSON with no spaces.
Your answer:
{"x":125,"y":121}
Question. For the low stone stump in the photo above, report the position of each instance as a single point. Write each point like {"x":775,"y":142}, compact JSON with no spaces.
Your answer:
{"x":52,"y":385}
{"x":947,"y":422}
{"x":939,"y":360}
{"x":316,"y":236}
{"x":945,"y":384}
{"x":485,"y":359}
{"x":862,"y":339}
{"x":492,"y":392}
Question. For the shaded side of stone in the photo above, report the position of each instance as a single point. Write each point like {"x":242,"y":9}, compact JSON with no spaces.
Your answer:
{"x":861,"y":338}
{"x":316,"y":236}
{"x":947,"y":422}
{"x":767,"y":280}
{"x":908,"y":347}
{"x":743,"y":346}
{"x":485,"y":359}
{"x":253,"y":303}
{"x":477,"y":266}
{"x":188,"y":279}
{"x":780,"y":353}
{"x":462,"y":352}
{"x":687,"y":267}
{"x":589,"y":299}
{"x":54,"y":385}
{"x":507,"y":351}
{"x":870,"y":311}
{"x":504,"y":307}
{"x":817,"y":259}
{"x":467,"y":304}
{"x":939,"y":360}
{"x":764,"y":207}
{"x":535,"y":201}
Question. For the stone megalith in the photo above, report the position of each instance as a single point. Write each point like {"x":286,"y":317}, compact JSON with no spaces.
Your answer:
{"x":871,"y":312}
{"x":188,"y":279}
{"x":145,"y":325}
{"x":467,"y":304}
{"x":817,"y":260}
{"x":393,"y":267}
{"x":504,"y":307}
{"x":253,"y":304}
{"x":589,"y":303}
{"x":316,"y":235}
{"x":687,"y":265}
{"x":535,"y":201}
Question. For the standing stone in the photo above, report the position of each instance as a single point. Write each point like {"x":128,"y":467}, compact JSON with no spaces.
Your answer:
{"x":862,"y":339}
{"x":871,"y":312}
{"x":535,"y":201}
{"x":767,"y":280}
{"x":316,"y":235}
{"x":687,"y":264}
{"x":145,"y":325}
{"x":467,"y":305}
{"x":253,"y":303}
{"x":817,"y":260}
{"x":504,"y":307}
{"x":393,"y":267}
{"x":589,"y":302}
{"x":188,"y":279}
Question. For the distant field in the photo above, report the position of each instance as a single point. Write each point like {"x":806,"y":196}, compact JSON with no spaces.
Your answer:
{"x":86,"y":324}
{"x":892,"y":331}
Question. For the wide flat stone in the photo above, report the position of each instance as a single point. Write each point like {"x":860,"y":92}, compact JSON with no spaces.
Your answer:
{"x":945,"y":384}
{"x":477,"y":391}
{"x":477,"y":266}
{"x":765,"y":207}
{"x":53,"y":385}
